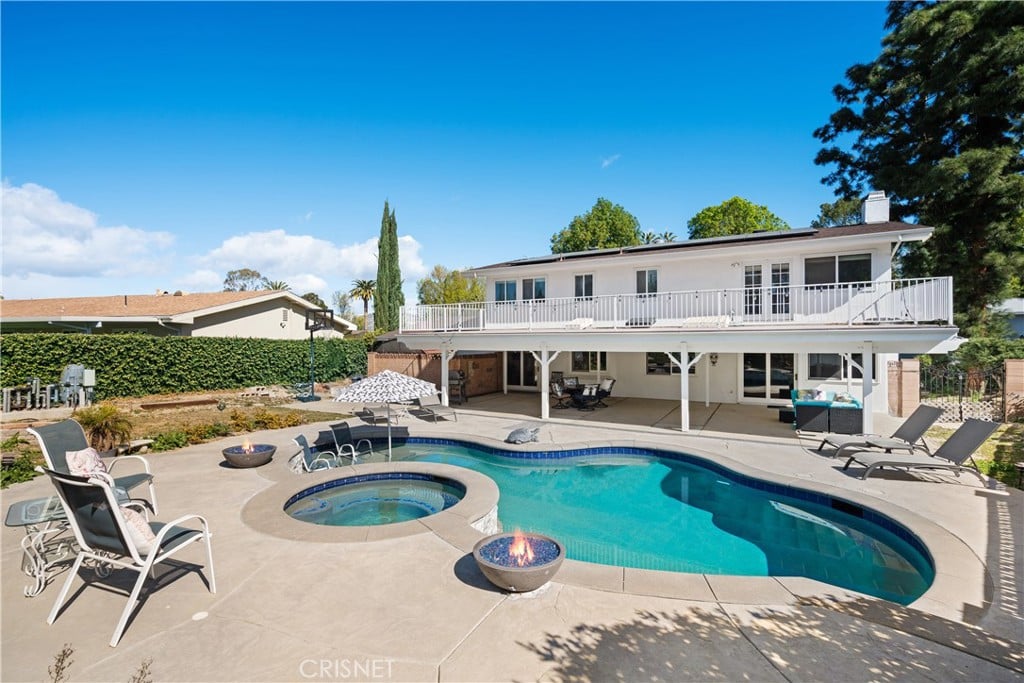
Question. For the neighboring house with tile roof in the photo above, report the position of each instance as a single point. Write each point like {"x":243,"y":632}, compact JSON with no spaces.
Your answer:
{"x":266,"y":314}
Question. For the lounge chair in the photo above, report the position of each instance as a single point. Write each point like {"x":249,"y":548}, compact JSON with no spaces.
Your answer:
{"x":120,"y":537}
{"x":67,"y":436}
{"x":959,"y":447}
{"x":311,"y":460}
{"x":346,"y":445}
{"x":431,"y":406}
{"x":561,"y":396}
{"x":909,"y":435}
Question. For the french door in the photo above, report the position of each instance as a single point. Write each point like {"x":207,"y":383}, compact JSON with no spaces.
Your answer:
{"x":768,"y":376}
{"x":520,"y":369}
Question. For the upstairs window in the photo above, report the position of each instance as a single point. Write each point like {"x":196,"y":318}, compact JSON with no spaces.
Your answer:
{"x":505,"y":290}
{"x":828,"y":270}
{"x":584,"y":286}
{"x":646,"y":282}
{"x":534,"y":288}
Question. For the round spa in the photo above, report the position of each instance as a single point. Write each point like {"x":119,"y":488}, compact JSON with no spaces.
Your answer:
{"x":374,"y":499}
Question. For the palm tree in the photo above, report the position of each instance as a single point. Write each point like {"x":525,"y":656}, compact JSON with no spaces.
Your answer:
{"x":277,"y":285}
{"x":667,"y":236}
{"x":364,"y":289}
{"x":648,"y":237}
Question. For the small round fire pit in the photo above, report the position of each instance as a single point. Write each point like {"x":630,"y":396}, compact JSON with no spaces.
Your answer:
{"x":518,"y":562}
{"x":249,"y":455}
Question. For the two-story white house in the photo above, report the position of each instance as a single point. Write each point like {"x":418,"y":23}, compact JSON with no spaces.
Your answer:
{"x":739,"y":319}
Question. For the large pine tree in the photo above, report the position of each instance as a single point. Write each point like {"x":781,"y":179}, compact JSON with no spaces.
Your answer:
{"x":388,"y":297}
{"x":936,"y":122}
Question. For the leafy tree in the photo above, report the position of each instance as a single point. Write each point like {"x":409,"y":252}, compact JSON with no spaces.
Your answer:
{"x":605,"y":225}
{"x":935,"y":121}
{"x":736,"y":216}
{"x":388,"y":299}
{"x":364,"y":290}
{"x":445,"y":286}
{"x":839,"y":212}
{"x":343,"y":304}
{"x":277,"y":285}
{"x":314,"y":298}
{"x":244,"y":280}
{"x":667,"y":236}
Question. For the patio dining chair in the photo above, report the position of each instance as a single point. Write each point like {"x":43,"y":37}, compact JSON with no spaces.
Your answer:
{"x":562,"y":397}
{"x":60,"y":439}
{"x":586,"y":399}
{"x":119,"y":537}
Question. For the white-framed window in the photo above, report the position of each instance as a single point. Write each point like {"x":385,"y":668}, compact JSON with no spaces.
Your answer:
{"x":830,"y":270}
{"x":584,"y":286}
{"x":647,"y":281}
{"x":505,"y":290}
{"x":589,"y":361}
{"x":534,"y":288}
{"x":659,"y":363}
{"x":833,"y":366}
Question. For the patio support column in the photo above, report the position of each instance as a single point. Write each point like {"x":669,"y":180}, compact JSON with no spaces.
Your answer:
{"x":684,"y":364}
{"x":446,"y":355}
{"x":868,"y":382}
{"x":707,"y":382}
{"x":504,"y":372}
{"x":545,"y":380}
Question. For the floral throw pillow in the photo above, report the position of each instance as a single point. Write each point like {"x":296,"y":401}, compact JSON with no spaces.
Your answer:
{"x":138,"y":530}
{"x":85,"y":462}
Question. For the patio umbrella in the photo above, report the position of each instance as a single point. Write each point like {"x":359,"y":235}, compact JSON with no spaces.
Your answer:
{"x":386,"y":387}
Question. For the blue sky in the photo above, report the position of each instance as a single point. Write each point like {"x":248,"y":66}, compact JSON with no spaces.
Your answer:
{"x":159,"y":145}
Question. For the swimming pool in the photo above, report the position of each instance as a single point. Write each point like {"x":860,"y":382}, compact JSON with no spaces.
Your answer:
{"x":634,"y":507}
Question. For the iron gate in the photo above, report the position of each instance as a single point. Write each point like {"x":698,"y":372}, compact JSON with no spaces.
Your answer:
{"x":963,"y":393}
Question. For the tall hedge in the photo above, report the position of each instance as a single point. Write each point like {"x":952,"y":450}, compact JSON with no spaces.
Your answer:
{"x":138,"y":365}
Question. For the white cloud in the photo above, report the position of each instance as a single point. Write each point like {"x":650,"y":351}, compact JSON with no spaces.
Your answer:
{"x":305,"y":262}
{"x":46,"y":236}
{"x":608,"y":161}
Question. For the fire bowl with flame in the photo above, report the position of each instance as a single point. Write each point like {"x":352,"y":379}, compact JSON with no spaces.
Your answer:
{"x":519,"y":562}
{"x":249,"y":454}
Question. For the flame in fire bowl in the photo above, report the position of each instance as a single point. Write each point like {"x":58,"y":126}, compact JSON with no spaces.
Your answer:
{"x":518,"y":562}
{"x":249,"y":455}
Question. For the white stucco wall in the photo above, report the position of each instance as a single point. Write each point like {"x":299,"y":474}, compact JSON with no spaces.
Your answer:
{"x":267,"y":320}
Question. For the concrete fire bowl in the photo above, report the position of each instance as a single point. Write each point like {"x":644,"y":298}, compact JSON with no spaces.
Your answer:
{"x":492,"y":556}
{"x":258,"y":454}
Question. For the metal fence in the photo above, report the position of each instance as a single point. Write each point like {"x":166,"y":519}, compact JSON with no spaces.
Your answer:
{"x":963,"y":393}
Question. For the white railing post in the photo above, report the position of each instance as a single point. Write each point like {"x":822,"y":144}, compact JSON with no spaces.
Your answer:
{"x":948,"y":281}
{"x":849,"y":305}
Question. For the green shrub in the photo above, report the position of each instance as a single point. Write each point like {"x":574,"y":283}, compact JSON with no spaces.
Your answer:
{"x":138,"y":365}
{"x":168,"y":441}
{"x":20,"y":469}
{"x":105,"y":424}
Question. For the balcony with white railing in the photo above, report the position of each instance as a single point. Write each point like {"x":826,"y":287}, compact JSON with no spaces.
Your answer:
{"x":890,"y":302}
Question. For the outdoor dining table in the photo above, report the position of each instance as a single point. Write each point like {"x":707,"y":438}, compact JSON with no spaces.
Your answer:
{"x":45,"y":542}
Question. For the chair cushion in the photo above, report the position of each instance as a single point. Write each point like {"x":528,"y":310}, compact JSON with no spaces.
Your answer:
{"x":139,"y":531}
{"x":606,"y":384}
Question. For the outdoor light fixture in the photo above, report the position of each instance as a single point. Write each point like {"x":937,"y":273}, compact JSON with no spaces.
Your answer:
{"x":713,"y":358}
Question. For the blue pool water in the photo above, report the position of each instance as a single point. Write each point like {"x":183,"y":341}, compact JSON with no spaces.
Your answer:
{"x":385,"y":498}
{"x":676,"y":515}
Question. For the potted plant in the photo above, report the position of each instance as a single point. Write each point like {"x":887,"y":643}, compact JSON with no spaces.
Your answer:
{"x":106,"y":426}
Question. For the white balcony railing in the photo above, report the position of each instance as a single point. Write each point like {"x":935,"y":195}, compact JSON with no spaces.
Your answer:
{"x":856,"y":303}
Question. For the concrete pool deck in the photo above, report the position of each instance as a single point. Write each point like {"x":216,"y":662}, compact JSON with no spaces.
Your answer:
{"x":295,"y":606}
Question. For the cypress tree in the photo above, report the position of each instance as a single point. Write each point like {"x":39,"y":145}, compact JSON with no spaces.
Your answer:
{"x":388,"y":298}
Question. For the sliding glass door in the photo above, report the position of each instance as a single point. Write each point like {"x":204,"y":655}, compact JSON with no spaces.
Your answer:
{"x":768,"y":376}
{"x":520,"y":369}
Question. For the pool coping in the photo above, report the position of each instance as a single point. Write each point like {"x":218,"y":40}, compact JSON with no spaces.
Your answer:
{"x":954,"y":562}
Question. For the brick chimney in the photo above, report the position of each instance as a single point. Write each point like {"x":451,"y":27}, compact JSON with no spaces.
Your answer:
{"x":875,"y":208}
